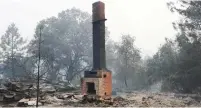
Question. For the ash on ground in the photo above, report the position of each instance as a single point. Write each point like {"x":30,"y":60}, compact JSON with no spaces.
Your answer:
{"x":13,"y":94}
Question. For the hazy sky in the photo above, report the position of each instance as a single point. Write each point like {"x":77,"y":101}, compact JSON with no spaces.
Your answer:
{"x":148,"y":20}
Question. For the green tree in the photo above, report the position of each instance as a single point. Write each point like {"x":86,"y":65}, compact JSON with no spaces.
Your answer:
{"x":12,"y":45}
{"x":189,"y":40}
{"x":127,"y":61}
{"x":164,"y":64}
{"x":66,"y":48}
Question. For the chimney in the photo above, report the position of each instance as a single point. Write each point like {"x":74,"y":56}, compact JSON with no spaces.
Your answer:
{"x":99,"y":59}
{"x":98,"y":81}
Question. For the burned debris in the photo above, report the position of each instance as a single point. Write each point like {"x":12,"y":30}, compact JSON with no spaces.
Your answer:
{"x":96,"y":84}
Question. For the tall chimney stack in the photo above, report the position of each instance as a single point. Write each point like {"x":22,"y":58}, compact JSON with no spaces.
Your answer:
{"x":98,"y":81}
{"x":99,"y":59}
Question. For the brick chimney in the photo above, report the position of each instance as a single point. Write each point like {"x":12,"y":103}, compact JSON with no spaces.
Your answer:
{"x":98,"y":81}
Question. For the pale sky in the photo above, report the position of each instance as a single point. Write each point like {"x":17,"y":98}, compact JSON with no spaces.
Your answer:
{"x":149,"y":21}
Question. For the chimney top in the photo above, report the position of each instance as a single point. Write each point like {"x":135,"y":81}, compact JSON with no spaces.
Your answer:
{"x":98,"y":2}
{"x":98,"y":11}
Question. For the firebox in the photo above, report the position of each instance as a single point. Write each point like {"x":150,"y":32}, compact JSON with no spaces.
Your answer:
{"x":99,"y":84}
{"x":98,"y":81}
{"x":91,"y":88}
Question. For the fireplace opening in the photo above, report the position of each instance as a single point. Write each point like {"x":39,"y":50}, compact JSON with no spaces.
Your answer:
{"x":91,"y":88}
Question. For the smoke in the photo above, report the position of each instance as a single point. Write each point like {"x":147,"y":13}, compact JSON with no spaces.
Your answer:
{"x":156,"y":87}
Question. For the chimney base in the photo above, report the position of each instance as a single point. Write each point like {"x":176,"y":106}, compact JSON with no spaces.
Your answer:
{"x":97,"y":83}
